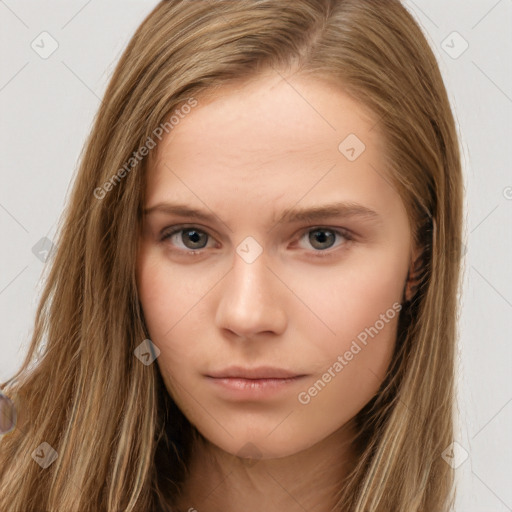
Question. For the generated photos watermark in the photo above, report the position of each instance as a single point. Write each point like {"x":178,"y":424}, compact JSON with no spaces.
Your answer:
{"x":143,"y":151}
{"x":304,"y":397}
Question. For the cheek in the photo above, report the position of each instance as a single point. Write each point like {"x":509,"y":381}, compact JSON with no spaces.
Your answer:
{"x":343,"y":303}
{"x":349,"y":380}
{"x":168,"y":298}
{"x":354,"y":362}
{"x":152,"y":283}
{"x":166,"y":295}
{"x":359,"y":311}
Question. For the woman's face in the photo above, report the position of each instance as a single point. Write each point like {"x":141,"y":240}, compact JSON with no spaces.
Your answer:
{"x":241,"y":285}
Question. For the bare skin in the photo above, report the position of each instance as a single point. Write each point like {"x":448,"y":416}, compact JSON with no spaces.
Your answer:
{"x":245,"y":156}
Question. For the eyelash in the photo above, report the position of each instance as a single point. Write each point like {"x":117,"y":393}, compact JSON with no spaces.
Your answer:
{"x":166,"y":234}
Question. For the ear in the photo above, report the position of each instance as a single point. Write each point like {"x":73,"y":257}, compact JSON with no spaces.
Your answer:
{"x":415,"y":268}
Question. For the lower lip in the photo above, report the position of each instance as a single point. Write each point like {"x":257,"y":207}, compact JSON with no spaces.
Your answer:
{"x":254,"y":388}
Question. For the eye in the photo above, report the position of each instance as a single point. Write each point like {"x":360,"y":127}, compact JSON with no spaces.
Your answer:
{"x":322,"y":238}
{"x":188,"y":239}
{"x":192,"y":240}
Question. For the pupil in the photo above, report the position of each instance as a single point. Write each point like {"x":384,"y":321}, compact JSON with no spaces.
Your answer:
{"x":193,"y":236}
{"x":321,"y":237}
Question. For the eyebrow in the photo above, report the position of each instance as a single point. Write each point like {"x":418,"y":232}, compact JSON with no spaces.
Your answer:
{"x":290,"y":215}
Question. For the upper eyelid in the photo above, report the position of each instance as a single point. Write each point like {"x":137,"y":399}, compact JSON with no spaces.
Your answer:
{"x":180,"y":227}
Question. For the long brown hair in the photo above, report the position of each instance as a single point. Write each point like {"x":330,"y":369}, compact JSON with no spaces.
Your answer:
{"x":120,"y":441}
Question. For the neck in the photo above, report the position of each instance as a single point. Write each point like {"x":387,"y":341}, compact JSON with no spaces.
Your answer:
{"x":308,"y":480}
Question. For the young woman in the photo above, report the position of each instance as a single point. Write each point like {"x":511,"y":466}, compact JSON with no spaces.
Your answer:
{"x":253,"y":305}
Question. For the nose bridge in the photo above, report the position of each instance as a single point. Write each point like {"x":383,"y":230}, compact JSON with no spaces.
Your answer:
{"x":250,"y":278}
{"x":249,"y":301}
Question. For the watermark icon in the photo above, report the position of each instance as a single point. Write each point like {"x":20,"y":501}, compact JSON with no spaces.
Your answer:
{"x":147,"y":352}
{"x":42,"y":249}
{"x":507,"y":193}
{"x":250,"y":454}
{"x":249,"y":249}
{"x":44,"y":455}
{"x":454,"y":45}
{"x":352,"y":147}
{"x":143,"y":151}
{"x":44,"y":45}
{"x":304,"y":397}
{"x":455,"y":455}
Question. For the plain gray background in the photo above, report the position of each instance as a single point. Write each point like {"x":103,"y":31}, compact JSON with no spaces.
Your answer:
{"x":47,"y":106}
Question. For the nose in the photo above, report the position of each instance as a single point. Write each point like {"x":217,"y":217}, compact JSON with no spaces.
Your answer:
{"x":252,"y":300}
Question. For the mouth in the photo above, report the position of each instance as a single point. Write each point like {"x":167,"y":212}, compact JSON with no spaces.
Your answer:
{"x":257,"y":373}
{"x":253,"y":384}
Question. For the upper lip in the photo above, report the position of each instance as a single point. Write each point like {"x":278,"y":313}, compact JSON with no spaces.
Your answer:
{"x":261,"y":372}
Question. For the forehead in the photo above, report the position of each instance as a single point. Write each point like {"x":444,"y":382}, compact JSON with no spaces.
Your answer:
{"x":275,"y":138}
{"x":271,"y":117}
